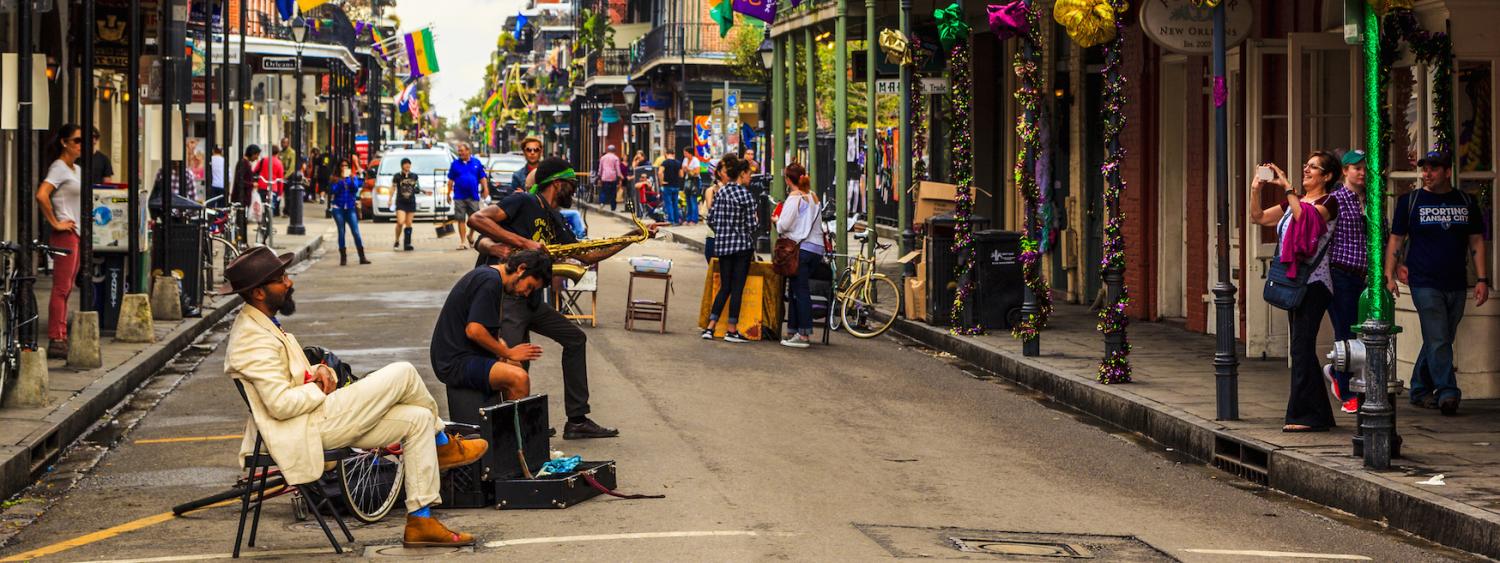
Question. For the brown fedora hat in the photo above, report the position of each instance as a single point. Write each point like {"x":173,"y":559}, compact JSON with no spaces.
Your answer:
{"x":253,"y":269}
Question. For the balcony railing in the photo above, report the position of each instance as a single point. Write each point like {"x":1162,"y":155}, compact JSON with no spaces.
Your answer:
{"x":608,"y":62}
{"x":697,"y":40}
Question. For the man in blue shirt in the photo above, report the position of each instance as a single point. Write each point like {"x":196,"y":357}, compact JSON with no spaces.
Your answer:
{"x":467,"y":178}
{"x":1446,"y":229}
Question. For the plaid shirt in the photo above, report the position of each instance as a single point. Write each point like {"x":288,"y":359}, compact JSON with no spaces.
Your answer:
{"x":732,"y":219}
{"x":1348,"y":251}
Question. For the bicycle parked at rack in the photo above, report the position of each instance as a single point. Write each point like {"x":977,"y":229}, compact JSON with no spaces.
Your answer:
{"x":10,"y":308}
{"x":219,"y":230}
{"x":859,"y":289}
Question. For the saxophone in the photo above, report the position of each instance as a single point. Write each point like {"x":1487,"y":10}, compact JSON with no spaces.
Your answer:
{"x":574,"y":271}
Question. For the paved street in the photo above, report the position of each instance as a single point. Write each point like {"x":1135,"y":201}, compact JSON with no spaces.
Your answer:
{"x":864,"y":450}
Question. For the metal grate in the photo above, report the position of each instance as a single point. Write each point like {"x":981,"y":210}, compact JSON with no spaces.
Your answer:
{"x":999,"y":545}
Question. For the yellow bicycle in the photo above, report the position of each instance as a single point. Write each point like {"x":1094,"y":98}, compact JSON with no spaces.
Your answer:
{"x":859,"y":290}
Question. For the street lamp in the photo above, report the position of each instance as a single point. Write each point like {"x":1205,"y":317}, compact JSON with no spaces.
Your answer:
{"x":630,"y":97}
{"x":767,"y":54}
{"x":296,"y":183}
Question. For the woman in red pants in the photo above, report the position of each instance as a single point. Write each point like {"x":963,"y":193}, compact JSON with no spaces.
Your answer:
{"x":58,"y":198}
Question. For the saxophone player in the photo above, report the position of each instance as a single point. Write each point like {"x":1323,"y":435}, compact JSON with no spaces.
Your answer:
{"x":531,"y":220}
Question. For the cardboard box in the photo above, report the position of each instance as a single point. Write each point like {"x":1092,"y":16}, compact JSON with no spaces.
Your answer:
{"x":934,"y":198}
{"x":916,"y":299}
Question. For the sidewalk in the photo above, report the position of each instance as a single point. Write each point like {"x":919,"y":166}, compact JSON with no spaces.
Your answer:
{"x":1172,"y":402}
{"x":30,"y":439}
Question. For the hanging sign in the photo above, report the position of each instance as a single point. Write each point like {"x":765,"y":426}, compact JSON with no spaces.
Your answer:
{"x":1182,"y":27}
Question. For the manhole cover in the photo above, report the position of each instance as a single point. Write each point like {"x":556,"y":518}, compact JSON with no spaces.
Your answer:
{"x":999,"y":545}
{"x":394,"y":551}
{"x":1002,"y":546}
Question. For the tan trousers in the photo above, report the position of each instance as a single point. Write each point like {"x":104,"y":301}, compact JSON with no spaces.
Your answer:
{"x":388,"y":406}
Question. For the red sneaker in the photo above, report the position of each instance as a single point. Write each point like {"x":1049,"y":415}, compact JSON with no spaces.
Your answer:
{"x":1350,"y":406}
{"x":1333,"y":385}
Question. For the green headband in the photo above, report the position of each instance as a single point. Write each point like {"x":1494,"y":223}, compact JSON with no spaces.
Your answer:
{"x":566,"y":174}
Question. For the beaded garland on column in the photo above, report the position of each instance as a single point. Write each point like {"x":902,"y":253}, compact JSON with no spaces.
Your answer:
{"x":1028,"y":131}
{"x":1115,"y":368}
{"x":954,"y":33}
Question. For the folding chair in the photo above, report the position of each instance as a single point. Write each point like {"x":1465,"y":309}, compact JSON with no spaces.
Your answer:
{"x":572,"y":292}
{"x":260,"y":460}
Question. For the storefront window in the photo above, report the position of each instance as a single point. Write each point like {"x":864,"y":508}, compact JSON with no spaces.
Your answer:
{"x":1407,"y":123}
{"x":1475,"y":137}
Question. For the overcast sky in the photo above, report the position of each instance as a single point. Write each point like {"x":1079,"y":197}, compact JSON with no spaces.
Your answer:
{"x":465,"y":32}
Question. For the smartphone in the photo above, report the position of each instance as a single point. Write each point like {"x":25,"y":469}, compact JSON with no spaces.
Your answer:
{"x":1264,"y":174}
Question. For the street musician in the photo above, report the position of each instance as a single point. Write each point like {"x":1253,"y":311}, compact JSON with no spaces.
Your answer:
{"x":530,"y":220}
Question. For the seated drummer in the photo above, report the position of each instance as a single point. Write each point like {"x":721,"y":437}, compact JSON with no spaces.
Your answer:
{"x":529,"y":220}
{"x":465,"y":350}
{"x":299,"y":410}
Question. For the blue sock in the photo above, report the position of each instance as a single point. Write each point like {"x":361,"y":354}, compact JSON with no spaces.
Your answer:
{"x":424,"y":512}
{"x":442,"y":438}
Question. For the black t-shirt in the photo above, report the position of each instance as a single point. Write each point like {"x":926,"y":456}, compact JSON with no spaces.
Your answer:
{"x":405,"y":184}
{"x":323,"y":167}
{"x":671,"y":171}
{"x":525,"y":215}
{"x":1439,"y":226}
{"x":474,"y":299}
{"x":102,"y":167}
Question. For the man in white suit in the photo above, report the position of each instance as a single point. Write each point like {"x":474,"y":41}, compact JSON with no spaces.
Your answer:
{"x":300,"y":411}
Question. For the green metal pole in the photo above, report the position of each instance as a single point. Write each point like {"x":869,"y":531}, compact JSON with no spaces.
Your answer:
{"x":1377,"y":416}
{"x":777,"y":155}
{"x":841,"y":125}
{"x":870,"y":107}
{"x":810,"y":78}
{"x":791,"y":95}
{"x":904,"y":154}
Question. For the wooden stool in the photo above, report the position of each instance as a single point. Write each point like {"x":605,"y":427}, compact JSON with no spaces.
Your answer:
{"x":647,"y":309}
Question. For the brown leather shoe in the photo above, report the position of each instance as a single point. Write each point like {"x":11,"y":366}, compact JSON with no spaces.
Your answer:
{"x":428,"y":532}
{"x":460,"y":451}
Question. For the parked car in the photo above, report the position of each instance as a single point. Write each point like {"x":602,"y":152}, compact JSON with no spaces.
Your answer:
{"x":501,"y":167}
{"x":431,"y":168}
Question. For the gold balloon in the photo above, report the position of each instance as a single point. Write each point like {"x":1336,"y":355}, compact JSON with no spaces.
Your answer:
{"x":897,"y":49}
{"x":1088,"y":22}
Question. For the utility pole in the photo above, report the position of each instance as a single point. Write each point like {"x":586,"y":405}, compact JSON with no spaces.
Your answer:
{"x":86,"y":191}
{"x":25,"y":182}
{"x":904,"y":156}
{"x":138,"y":279}
{"x":870,"y":128}
{"x":840,"y":123}
{"x":1226,"y":361}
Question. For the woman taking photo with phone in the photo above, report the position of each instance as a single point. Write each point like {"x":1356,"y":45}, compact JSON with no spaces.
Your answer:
{"x":1304,"y":225}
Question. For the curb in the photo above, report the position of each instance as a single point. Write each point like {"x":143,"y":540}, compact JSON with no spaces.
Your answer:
{"x":1349,"y":489}
{"x":665,"y":235}
{"x":19,"y":464}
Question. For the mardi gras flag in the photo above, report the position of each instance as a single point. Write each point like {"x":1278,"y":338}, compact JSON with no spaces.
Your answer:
{"x":491,"y":103}
{"x":763,"y":10}
{"x":421,"y":53}
{"x":723,"y":13}
{"x":310,"y":4}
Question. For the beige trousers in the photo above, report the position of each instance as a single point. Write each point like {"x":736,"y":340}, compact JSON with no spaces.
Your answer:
{"x":388,"y":406}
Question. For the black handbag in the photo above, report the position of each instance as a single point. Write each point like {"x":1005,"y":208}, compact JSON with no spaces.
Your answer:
{"x":1283,"y":291}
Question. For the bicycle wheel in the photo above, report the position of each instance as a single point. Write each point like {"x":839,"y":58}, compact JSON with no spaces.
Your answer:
{"x":370,"y":483}
{"x":857,"y":309}
{"x":227,"y":251}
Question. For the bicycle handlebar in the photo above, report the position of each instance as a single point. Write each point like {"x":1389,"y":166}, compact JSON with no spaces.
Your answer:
{"x":9,"y":247}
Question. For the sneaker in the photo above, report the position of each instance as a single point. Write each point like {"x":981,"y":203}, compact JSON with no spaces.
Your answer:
{"x":734,"y":336}
{"x":1333,"y":384}
{"x":708,"y":334}
{"x":796,"y":341}
{"x":1350,"y":406}
{"x":395,"y":245}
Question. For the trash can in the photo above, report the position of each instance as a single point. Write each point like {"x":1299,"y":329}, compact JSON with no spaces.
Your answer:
{"x":110,"y":287}
{"x":940,"y":261}
{"x":185,"y":263}
{"x":999,"y":287}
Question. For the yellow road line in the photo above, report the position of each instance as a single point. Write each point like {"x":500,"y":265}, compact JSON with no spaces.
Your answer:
{"x":104,"y":534}
{"x":188,"y":439}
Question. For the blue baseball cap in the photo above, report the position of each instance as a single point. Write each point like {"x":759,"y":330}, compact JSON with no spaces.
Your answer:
{"x":1436,"y":158}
